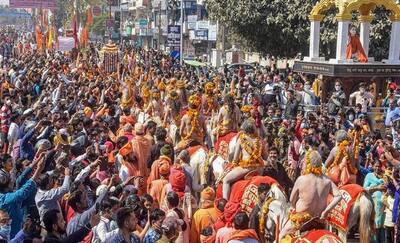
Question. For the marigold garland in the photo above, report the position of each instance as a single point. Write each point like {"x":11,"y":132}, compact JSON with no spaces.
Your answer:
{"x":210,"y":104}
{"x":264,"y":212}
{"x":254,"y":151}
{"x":195,"y":124}
{"x":343,"y":154}
{"x":299,"y":218}
{"x":309,"y":168}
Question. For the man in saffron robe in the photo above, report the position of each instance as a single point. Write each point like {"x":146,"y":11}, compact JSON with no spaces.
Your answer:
{"x":231,"y":209}
{"x":156,"y":186}
{"x":204,"y":217}
{"x":354,"y":48}
{"x":165,"y":157}
{"x":128,"y":163}
{"x":242,"y":232}
{"x":141,"y":147}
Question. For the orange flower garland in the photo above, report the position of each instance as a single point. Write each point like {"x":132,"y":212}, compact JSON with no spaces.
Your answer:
{"x":254,"y":151}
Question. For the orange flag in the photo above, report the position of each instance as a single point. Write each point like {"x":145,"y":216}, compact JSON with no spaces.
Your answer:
{"x":89,"y":16}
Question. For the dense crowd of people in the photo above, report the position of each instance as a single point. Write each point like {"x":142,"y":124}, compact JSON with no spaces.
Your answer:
{"x":90,"y":156}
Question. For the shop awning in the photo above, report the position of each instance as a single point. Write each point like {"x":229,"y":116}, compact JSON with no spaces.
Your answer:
{"x":195,"y":63}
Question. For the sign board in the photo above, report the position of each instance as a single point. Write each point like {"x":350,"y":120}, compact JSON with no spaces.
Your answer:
{"x":348,"y":70}
{"x":202,"y":24}
{"x":174,"y":36}
{"x":141,"y":24}
{"x":66,"y":43}
{"x":212,"y":32}
{"x":191,"y":22}
{"x":164,"y":24}
{"x":201,"y":34}
{"x":44,"y":4}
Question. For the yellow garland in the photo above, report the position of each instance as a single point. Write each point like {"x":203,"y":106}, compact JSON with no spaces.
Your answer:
{"x":210,"y":104}
{"x":195,"y":123}
{"x":299,"y":218}
{"x":263,"y":214}
{"x":209,"y":88}
{"x":162,"y":85}
{"x":195,"y":100}
{"x":173,"y":96}
{"x":254,"y":151}
{"x":156,"y":95}
{"x":309,"y":168}
{"x":342,"y":153}
{"x":246,"y":108}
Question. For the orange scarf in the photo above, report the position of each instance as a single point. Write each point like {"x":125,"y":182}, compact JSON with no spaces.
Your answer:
{"x":242,"y":234}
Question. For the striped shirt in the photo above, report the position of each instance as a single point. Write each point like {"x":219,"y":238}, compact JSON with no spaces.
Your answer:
{"x":5,"y":115}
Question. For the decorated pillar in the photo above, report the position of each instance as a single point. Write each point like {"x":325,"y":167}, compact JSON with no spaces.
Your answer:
{"x":314,"y":36}
{"x":365,"y":25}
{"x":342,"y":37}
{"x":394,"y":48}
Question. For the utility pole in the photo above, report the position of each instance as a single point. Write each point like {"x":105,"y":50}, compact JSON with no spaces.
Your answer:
{"x":181,"y":47}
{"x":159,"y":26}
{"x":120,"y":22}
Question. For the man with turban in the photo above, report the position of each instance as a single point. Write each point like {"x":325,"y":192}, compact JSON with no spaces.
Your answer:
{"x":156,"y":186}
{"x":129,"y":165}
{"x":177,"y":183}
{"x":141,"y":147}
{"x":165,"y":158}
{"x":231,"y":209}
{"x":204,"y":217}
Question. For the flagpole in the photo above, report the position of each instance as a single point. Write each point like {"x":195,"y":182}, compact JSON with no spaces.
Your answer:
{"x":181,"y":44}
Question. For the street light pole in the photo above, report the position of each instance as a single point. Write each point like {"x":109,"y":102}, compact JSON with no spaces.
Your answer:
{"x":181,"y":47}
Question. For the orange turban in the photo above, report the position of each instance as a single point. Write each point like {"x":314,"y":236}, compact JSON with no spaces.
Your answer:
{"x":230,"y":211}
{"x":126,"y":149}
{"x":208,"y":194}
{"x":177,"y":180}
{"x":164,"y":168}
{"x":88,"y":111}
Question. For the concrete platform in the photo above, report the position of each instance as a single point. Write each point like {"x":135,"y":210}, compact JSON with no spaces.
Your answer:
{"x":354,"y":70}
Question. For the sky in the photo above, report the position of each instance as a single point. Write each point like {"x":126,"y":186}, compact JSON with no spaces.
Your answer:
{"x":4,"y":2}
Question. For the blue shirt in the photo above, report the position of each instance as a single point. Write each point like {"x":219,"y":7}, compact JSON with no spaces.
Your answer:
{"x":11,"y":202}
{"x":390,"y":115}
{"x":115,"y":236}
{"x":151,"y":236}
{"x":26,"y":149}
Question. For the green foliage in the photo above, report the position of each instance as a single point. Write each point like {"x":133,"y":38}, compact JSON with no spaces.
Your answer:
{"x":282,"y":28}
{"x":380,"y":34}
{"x":65,"y":11}
{"x":99,"y":25}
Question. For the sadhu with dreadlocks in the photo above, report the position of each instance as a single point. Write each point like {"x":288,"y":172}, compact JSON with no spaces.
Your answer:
{"x":192,"y":128}
{"x":228,"y":117}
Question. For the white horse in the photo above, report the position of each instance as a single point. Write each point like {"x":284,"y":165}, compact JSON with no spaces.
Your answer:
{"x":197,"y":165}
{"x":275,"y":215}
{"x":173,"y":134}
{"x":362,"y":211}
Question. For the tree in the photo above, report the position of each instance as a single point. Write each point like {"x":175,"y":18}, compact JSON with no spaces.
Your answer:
{"x":99,"y":24}
{"x":282,"y":28}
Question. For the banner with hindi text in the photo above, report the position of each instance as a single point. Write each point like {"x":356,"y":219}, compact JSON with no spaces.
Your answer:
{"x":44,"y":4}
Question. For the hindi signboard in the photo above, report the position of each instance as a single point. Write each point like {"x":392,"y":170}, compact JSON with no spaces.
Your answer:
{"x":201,"y":34}
{"x":191,"y":22}
{"x":44,"y":4}
{"x":66,"y":43}
{"x":174,"y":36}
